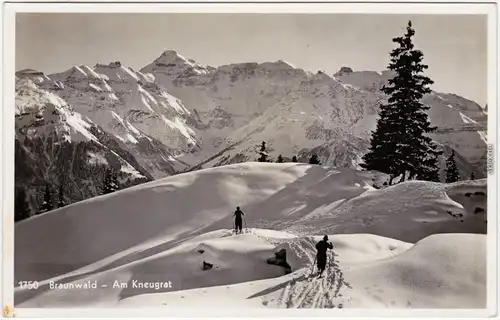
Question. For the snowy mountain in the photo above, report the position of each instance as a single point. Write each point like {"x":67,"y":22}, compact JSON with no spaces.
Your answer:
{"x":133,"y":108}
{"x":106,"y":107}
{"x":248,"y":103}
{"x":176,"y":115}
{"x":299,"y":112}
{"x":412,"y":245}
{"x":56,"y":145}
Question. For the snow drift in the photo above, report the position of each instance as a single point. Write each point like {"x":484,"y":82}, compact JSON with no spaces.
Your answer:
{"x":366,"y":271}
{"x":163,"y":231}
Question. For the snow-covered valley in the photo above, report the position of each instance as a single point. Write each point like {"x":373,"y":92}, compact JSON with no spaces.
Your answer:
{"x":412,"y":245}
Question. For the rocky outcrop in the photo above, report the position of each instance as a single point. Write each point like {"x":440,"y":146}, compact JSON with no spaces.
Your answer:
{"x":279,"y":259}
{"x":207,"y":266}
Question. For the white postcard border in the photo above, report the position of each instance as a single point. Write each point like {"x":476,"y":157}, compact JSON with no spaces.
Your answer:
{"x":7,"y":150}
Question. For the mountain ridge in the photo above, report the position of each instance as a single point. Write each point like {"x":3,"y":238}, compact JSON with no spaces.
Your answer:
{"x":175,"y":115}
{"x":196,"y":89}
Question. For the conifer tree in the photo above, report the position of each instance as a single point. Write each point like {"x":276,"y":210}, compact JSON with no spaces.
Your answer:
{"x":115,"y":186}
{"x":399,"y":144}
{"x":280,"y":159}
{"x":294,"y":159}
{"x":47,"y":203}
{"x":21,"y":206}
{"x":110,"y":183}
{"x":452,"y":173}
{"x":61,"y":203}
{"x":263,"y":154}
{"x":108,"y":179}
{"x":314,"y":159}
{"x":472,"y":176}
{"x":430,"y":170}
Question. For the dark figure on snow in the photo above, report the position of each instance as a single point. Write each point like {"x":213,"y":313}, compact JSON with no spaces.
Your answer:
{"x":238,"y":220}
{"x":322,"y":246}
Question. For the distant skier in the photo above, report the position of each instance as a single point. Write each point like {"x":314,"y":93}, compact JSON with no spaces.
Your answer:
{"x":322,"y":246}
{"x":238,"y":220}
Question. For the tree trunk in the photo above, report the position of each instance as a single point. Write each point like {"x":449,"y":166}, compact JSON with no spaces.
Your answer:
{"x":410,"y":175}
{"x":403,"y":177}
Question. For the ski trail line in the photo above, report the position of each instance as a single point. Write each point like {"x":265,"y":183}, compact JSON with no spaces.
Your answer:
{"x":309,"y":291}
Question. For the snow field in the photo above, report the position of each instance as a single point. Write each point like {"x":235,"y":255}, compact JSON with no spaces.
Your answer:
{"x":397,"y":247}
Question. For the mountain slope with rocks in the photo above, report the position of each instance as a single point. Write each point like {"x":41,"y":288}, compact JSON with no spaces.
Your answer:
{"x":131,"y":107}
{"x":56,"y":145}
{"x":300,"y":113}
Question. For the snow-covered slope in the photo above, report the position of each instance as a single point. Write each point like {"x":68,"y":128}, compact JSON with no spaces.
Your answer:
{"x":187,"y":220}
{"x":57,"y":145}
{"x":366,"y":271}
{"x":298,"y":112}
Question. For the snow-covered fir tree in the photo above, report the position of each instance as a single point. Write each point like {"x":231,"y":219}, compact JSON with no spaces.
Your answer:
{"x":314,"y":159}
{"x":430,"y":172}
{"x":61,"y":202}
{"x":47,"y":203}
{"x":280,"y":159}
{"x":115,"y":185}
{"x":106,"y":185}
{"x":263,"y":153}
{"x":110,"y":183}
{"x":452,"y":173}
{"x":399,"y":144}
{"x":21,"y":206}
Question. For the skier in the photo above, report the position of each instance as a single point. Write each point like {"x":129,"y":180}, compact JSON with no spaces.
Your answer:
{"x":322,"y":246}
{"x":238,"y":221}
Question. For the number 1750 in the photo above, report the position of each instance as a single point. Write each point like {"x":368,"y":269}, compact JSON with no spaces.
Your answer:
{"x":30,"y":285}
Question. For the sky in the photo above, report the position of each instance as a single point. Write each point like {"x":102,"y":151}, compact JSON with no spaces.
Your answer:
{"x":454,"y":46}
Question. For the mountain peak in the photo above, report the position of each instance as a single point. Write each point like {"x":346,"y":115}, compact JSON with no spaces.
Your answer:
{"x":28,"y":72}
{"x":285,"y":63}
{"x":173,"y":57}
{"x":113,"y":64}
{"x":176,"y":64}
{"x":34,"y":75}
{"x":345,"y":70}
{"x":75,"y":73}
{"x":170,"y":53}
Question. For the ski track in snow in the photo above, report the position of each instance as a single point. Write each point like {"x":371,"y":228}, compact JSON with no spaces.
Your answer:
{"x":306,"y":290}
{"x":310,"y":291}
{"x":356,"y":250}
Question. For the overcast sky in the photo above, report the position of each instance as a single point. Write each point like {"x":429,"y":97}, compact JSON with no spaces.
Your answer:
{"x":454,"y":46}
